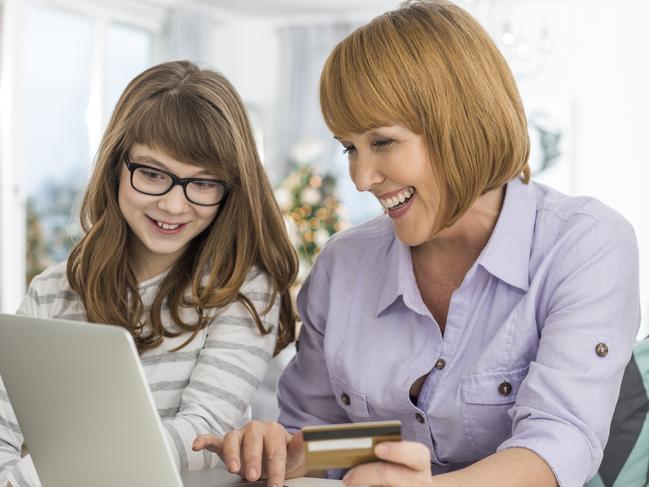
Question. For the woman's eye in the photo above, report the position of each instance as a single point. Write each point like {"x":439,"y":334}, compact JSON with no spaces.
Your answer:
{"x":380,"y":143}
{"x":348,"y":149}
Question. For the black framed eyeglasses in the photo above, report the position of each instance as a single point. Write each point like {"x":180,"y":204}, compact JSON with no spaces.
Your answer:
{"x":156,"y":182}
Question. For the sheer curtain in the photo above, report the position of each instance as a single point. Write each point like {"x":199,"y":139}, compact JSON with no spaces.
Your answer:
{"x":188,"y":35}
{"x":300,"y":133}
{"x":303,"y":51}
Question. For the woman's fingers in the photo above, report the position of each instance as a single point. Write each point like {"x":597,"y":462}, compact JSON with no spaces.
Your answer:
{"x":381,"y":473}
{"x":295,"y":459}
{"x":404,"y":464}
{"x":410,"y":454}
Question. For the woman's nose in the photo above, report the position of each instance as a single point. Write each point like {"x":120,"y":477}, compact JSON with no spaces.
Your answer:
{"x":365,"y":172}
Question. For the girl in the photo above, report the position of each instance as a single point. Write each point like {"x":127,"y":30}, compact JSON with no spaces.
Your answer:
{"x":491,"y":315}
{"x":184,"y":246}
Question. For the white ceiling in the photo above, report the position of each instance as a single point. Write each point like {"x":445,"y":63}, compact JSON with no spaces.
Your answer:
{"x":298,"y":7}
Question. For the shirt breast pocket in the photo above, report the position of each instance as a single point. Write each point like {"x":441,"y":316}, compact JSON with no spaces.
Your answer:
{"x":485,"y":403}
{"x":353,"y":402}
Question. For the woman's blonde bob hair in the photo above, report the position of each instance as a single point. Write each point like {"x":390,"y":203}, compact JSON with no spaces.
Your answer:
{"x":195,"y":116}
{"x":430,"y":67}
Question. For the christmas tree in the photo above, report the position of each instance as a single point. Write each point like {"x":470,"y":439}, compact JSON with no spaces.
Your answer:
{"x":313,"y":211}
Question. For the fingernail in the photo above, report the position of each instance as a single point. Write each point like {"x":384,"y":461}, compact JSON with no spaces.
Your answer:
{"x":233,"y":466}
{"x":252,"y":474}
{"x":381,"y":449}
{"x":345,"y":479}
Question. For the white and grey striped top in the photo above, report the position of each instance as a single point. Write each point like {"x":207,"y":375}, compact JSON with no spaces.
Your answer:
{"x":205,"y":387}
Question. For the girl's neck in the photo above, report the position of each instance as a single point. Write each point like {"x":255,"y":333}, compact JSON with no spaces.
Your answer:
{"x":146,"y":266}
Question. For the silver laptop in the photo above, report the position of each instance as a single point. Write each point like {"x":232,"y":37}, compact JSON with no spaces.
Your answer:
{"x":85,"y":410}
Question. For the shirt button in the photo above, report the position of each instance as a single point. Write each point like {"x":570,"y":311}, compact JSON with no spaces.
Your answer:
{"x":345,"y":399}
{"x":505,"y":388}
{"x":420,"y":418}
{"x":440,"y":364}
{"x":601,"y":349}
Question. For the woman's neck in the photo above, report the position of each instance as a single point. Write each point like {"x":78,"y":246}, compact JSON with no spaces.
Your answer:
{"x":465,"y":239}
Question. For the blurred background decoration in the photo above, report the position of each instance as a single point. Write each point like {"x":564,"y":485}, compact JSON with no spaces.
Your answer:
{"x":580,"y":66}
{"x":314,"y":212}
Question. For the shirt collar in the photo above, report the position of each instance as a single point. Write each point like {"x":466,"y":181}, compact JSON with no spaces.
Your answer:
{"x":506,"y":255}
{"x":399,"y":278}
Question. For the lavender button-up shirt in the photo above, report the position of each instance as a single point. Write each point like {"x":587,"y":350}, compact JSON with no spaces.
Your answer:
{"x":536,"y":339}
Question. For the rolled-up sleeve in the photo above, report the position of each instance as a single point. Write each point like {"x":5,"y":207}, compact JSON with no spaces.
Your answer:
{"x":304,"y":391}
{"x":564,"y":406}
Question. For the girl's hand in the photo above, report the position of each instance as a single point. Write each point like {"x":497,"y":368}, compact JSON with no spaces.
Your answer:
{"x":406,"y":464}
{"x":258,"y":450}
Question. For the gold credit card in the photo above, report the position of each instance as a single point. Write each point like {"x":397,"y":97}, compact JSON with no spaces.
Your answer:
{"x":346,"y":445}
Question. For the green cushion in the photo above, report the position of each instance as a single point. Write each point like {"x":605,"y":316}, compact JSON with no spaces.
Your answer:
{"x":626,"y":456}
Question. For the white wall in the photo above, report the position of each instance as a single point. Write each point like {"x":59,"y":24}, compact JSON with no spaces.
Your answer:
{"x":599,"y":65}
{"x":246,"y":52}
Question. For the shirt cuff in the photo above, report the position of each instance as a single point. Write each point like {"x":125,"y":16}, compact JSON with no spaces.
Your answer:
{"x":562,"y":446}
{"x":180,"y":435}
{"x":23,"y":474}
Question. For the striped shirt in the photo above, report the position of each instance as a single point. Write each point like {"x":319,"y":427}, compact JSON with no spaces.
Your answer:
{"x":206,"y":387}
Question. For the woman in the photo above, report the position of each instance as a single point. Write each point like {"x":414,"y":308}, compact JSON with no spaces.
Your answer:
{"x":184,"y":246}
{"x":491,"y":315}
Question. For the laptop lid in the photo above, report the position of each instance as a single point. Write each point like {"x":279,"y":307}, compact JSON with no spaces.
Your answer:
{"x":83,"y":404}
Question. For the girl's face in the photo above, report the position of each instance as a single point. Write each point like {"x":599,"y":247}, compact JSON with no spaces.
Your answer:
{"x":394,"y":165}
{"x":162,"y":226}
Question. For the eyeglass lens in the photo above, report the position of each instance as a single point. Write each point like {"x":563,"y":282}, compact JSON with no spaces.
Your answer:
{"x":202,"y":192}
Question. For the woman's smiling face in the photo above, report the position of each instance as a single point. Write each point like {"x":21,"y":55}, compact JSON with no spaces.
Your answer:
{"x":394,"y":164}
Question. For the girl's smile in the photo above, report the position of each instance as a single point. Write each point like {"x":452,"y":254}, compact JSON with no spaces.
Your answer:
{"x":167,"y":228}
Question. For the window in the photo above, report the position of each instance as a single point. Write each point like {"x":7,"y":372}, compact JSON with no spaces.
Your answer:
{"x":53,"y":138}
{"x":70,"y":66}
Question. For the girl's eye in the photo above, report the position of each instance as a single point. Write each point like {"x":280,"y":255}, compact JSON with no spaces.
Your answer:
{"x":206,"y":185}
{"x":348,"y":149}
{"x":151,"y":174}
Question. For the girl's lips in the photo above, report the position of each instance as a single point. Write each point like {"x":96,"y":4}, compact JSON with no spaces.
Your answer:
{"x":164,"y":231}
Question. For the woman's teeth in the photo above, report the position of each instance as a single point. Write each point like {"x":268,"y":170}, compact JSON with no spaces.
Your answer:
{"x":399,"y":199}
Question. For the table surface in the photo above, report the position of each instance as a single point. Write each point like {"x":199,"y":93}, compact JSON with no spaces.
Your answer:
{"x":218,"y":477}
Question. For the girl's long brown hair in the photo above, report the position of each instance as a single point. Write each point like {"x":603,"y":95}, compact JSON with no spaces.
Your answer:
{"x":195,"y":116}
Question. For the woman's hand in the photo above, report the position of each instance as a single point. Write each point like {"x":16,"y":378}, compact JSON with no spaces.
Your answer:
{"x":258,"y":450}
{"x":406,"y":464}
